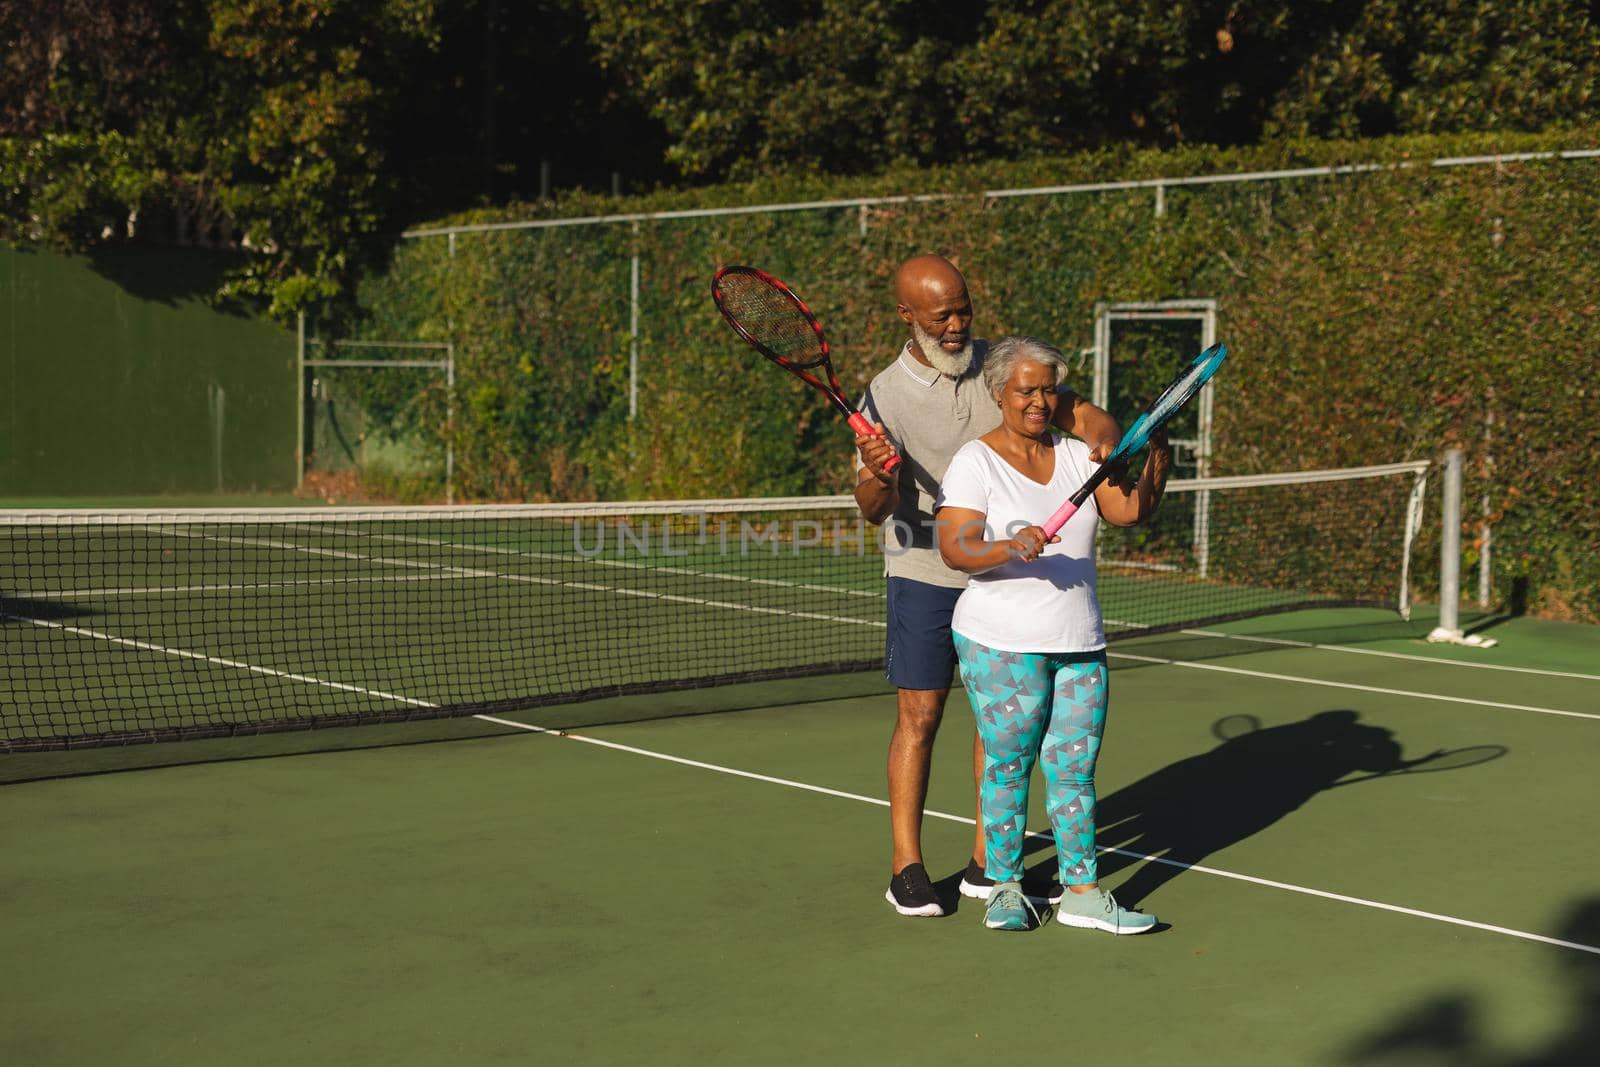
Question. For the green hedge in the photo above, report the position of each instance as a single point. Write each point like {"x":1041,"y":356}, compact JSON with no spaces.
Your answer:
{"x":1373,"y":317}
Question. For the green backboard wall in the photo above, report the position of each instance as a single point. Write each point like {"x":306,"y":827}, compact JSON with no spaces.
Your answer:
{"x":117,"y":379}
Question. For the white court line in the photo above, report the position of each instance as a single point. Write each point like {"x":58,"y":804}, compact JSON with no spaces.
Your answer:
{"x":147,"y":646}
{"x":531,"y":579}
{"x":599,"y":561}
{"x":702,"y":765}
{"x":162,"y":590}
{"x":1391,"y":655}
{"x":1438,"y":697}
{"x":1253,"y":880}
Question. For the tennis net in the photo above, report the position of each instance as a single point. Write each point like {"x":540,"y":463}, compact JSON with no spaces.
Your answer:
{"x":126,"y":626}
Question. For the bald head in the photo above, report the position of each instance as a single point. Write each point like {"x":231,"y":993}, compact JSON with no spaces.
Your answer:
{"x":931,"y":298}
{"x":926,"y":277}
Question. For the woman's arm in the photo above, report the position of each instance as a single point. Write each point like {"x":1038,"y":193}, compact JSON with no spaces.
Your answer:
{"x":1092,"y":425}
{"x":964,"y":544}
{"x":1126,"y":505}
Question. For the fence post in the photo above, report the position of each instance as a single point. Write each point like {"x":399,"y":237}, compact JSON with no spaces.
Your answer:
{"x":450,"y":423}
{"x":300,"y":401}
{"x":633,"y":329}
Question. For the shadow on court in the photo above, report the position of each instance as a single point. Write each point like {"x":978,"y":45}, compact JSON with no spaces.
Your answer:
{"x":1196,"y":643}
{"x":18,"y":610}
{"x":269,"y":740}
{"x":1197,"y":646}
{"x":1450,"y":1028}
{"x":1196,"y":807}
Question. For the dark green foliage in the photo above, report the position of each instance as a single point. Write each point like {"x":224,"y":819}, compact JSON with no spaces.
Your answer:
{"x":230,"y":123}
{"x":842,"y":86}
{"x":304,"y":132}
{"x":1372,"y":318}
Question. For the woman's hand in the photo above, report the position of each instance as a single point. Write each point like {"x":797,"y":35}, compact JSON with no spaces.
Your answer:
{"x":1129,"y":501}
{"x":1159,"y":461}
{"x":964,"y":543}
{"x":1028,"y":543}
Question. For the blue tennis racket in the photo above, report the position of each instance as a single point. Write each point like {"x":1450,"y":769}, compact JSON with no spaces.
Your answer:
{"x":1168,"y":404}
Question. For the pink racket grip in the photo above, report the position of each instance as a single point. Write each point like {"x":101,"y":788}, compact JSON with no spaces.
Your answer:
{"x":859,"y":423}
{"x":1053,"y":524}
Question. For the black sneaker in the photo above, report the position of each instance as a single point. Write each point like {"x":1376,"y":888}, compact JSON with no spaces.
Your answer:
{"x":1051,"y":891}
{"x":976,"y":884}
{"x":912,"y":894}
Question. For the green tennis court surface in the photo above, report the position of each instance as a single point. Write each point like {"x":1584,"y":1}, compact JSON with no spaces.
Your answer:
{"x":707,"y":888}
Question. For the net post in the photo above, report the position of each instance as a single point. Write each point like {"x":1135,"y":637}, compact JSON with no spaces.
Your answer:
{"x":1449,"y":629}
{"x":1450,"y":546}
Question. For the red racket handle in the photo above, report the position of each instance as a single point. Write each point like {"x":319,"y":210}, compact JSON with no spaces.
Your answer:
{"x":859,"y":423}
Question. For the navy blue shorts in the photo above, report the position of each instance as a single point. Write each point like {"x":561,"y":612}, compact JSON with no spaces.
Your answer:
{"x":919,"y":652}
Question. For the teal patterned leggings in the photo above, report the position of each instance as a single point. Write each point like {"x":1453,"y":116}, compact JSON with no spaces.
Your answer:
{"x":1048,"y":707}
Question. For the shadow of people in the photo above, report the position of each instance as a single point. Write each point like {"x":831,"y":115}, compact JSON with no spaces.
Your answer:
{"x":1189,"y":810}
{"x":1443,"y":1029}
{"x":1448,"y":1028}
{"x":20,"y":610}
{"x":1580,"y":1043}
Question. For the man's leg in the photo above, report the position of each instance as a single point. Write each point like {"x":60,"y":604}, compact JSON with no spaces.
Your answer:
{"x":974,"y":882}
{"x":919,"y":661}
{"x":978,"y":846}
{"x":910,"y":754}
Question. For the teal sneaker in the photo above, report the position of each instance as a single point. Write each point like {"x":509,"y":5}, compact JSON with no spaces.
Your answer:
{"x":1099,"y":910}
{"x":1009,"y":909}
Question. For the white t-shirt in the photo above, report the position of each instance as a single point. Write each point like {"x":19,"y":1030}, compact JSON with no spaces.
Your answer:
{"x":1048,"y":605}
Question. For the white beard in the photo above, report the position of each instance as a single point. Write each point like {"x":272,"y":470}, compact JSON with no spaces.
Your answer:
{"x":951,"y":366}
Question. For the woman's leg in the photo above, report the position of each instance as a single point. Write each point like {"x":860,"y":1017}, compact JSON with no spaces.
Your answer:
{"x":1071,"y":745}
{"x":1010,"y":693}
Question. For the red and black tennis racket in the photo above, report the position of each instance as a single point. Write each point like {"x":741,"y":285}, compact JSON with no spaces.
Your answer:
{"x":774,"y":321}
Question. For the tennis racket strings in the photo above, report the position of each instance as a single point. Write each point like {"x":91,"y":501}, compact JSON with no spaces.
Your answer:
{"x":767,"y":317}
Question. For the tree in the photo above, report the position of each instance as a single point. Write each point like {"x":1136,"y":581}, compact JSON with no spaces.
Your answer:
{"x":303,"y":131}
{"x":1441,"y":66}
{"x":836,"y":85}
{"x":846,"y":87}
{"x":234,"y":122}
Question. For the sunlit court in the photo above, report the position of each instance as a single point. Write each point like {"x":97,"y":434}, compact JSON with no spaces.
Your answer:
{"x":585,"y":533}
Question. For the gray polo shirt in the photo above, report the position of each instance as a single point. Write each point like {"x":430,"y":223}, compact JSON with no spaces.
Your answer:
{"x":928,"y":417}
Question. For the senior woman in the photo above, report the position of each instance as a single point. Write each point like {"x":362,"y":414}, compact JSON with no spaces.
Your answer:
{"x":1028,"y":629}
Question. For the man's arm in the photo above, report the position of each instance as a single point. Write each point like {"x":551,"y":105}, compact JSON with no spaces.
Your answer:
{"x":1090,"y":424}
{"x":877,"y":490}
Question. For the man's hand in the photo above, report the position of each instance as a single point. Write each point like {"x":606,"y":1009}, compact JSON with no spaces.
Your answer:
{"x":875,"y":453}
